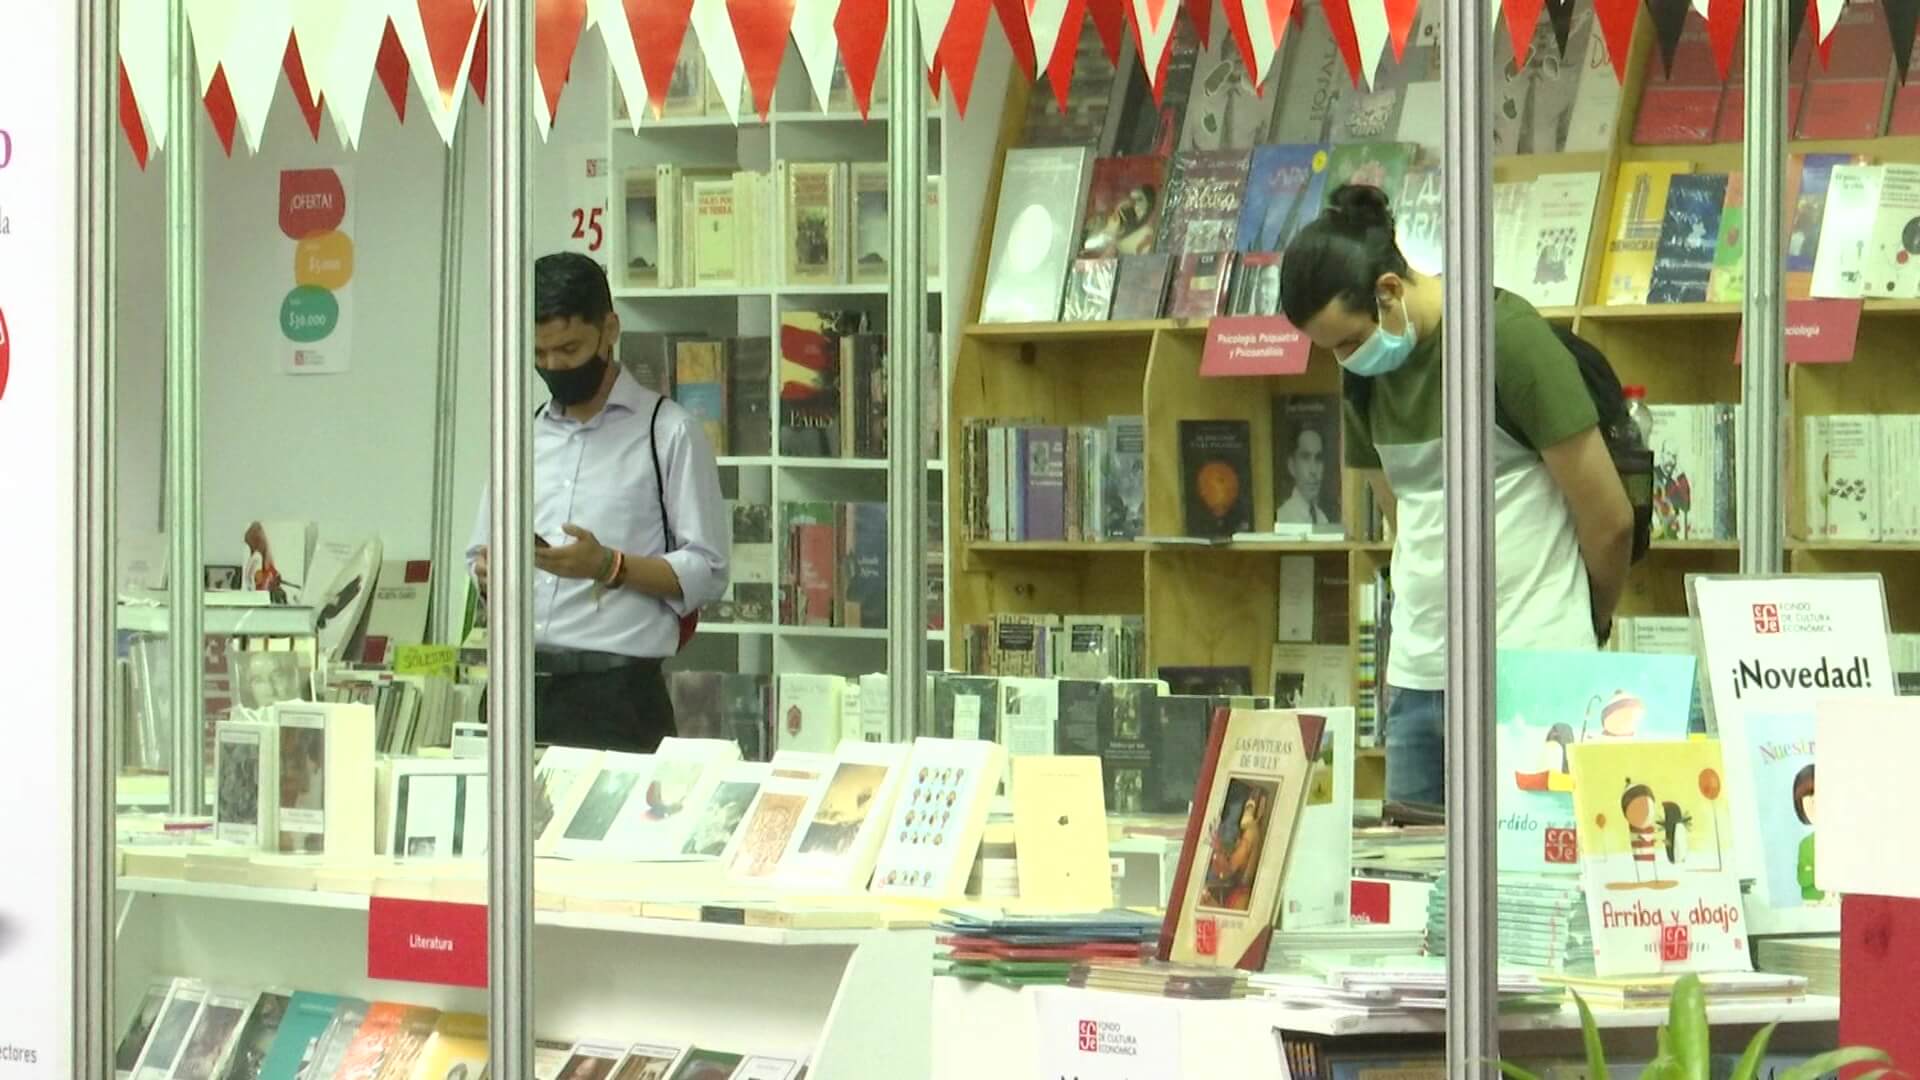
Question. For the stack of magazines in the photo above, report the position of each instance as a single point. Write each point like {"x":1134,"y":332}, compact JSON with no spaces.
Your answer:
{"x":1038,"y":950}
{"x":1816,"y":959}
{"x":1543,"y":923}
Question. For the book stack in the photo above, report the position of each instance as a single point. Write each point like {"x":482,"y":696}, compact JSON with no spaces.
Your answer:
{"x":1815,"y":959}
{"x":833,"y":387}
{"x":1161,"y":979}
{"x":1655,"y":991}
{"x":835,"y":570}
{"x":1056,"y":646}
{"x":726,"y":383}
{"x":411,"y":712}
{"x":1854,"y":483}
{"x":1037,"y":483}
{"x":1040,"y":950}
{"x":1543,"y":923}
{"x":750,"y":570}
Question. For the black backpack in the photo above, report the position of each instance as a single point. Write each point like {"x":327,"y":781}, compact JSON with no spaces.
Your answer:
{"x":1631,"y":456}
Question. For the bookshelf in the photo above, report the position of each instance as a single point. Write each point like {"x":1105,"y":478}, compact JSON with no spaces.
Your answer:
{"x":959,"y":151}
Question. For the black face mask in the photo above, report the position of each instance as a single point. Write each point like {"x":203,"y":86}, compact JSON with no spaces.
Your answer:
{"x":571,"y":386}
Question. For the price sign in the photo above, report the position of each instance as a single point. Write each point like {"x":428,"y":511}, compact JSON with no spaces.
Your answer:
{"x":587,"y":225}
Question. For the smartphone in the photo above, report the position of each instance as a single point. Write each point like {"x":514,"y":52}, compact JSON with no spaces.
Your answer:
{"x":540,"y":541}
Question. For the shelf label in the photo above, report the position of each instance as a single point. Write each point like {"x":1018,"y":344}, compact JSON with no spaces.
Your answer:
{"x":1818,"y":332}
{"x":1091,"y":1035}
{"x":1254,"y":345}
{"x":427,"y":941}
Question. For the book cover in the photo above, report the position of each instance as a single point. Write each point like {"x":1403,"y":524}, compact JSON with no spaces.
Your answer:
{"x":745,"y":708}
{"x":1129,"y":731}
{"x":1307,"y":461}
{"x":1036,"y":231}
{"x":1140,"y":286}
{"x":1204,"y":190}
{"x":1029,"y":716}
{"x":810,"y":346}
{"x":1560,"y":224}
{"x":1903,"y":116}
{"x":248,"y":1056}
{"x":640,"y":232}
{"x":754,"y":852}
{"x":707,"y":1065}
{"x":1639,"y":213}
{"x":700,"y":386}
{"x":1147,"y":119}
{"x":1312,"y":80}
{"x":1420,"y":219}
{"x":807,"y":712}
{"x":1227,"y":889}
{"x":647,"y":358}
{"x":1596,"y":103}
{"x":1847,"y":98}
{"x":248,"y":785}
{"x":1216,"y":471}
{"x":933,"y":834}
{"x":871,"y":237}
{"x":863,"y":396}
{"x":1512,"y":225}
{"x":1847,"y":476}
{"x":1777,"y":752}
{"x":1315,"y":892}
{"x":1224,"y":108}
{"x":1545,"y":704}
{"x":1376,"y":164}
{"x":1657,"y":858}
{"x":1207,"y":681}
{"x":1733,"y":107}
{"x":863,"y":566}
{"x":1681,"y":106}
{"x":1311,"y":676}
{"x":749,"y":394}
{"x":331,"y":1049}
{"x":1077,"y":734}
{"x":1727,"y":284}
{"x":815,"y":222}
{"x":1123,"y":206}
{"x":1200,"y":284}
{"x":1123,"y":499}
{"x":1889,"y":267}
{"x":660,"y":815}
{"x":1180,"y":743}
{"x":1256,"y":284}
{"x":965,"y":706}
{"x":213,"y":1030}
{"x":715,"y":224}
{"x":457,"y":1050}
{"x":1683,"y":261}
{"x":326,"y":756}
{"x":1285,"y":190}
{"x":1685,"y":472}
{"x":840,"y":828}
{"x":560,"y":782}
{"x":1089,"y":294}
{"x":612,"y":786}
{"x":307,"y":1018}
{"x":1808,"y":182}
{"x":1043,"y":455}
{"x":398,"y":613}
{"x":1853,"y":199}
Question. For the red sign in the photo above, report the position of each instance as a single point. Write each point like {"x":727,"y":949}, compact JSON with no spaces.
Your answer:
{"x":6,"y":352}
{"x":311,"y":202}
{"x":1371,"y":902}
{"x":427,"y":941}
{"x":1244,"y":345}
{"x":1766,"y":618}
{"x":1818,"y":332}
{"x":1206,"y":937}
{"x":1675,"y":948}
{"x":1561,"y":847}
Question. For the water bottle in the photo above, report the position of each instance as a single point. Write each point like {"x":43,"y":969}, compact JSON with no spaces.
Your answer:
{"x":1638,"y":412}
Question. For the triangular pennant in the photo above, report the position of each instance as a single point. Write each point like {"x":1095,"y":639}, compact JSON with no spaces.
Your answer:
{"x":556,"y":34}
{"x":1370,"y":33}
{"x":1267,"y":23}
{"x":934,"y":74}
{"x":391,"y":66}
{"x":220,"y":110}
{"x":933,"y":28}
{"x":1340,"y":21}
{"x":1201,"y":12}
{"x":130,"y":124}
{"x":761,"y":28}
{"x":813,"y":40}
{"x":143,"y":60}
{"x":1823,"y":41}
{"x":659,"y":29}
{"x":1236,"y":15}
{"x":1012,"y":15}
{"x":1401,"y":15}
{"x":960,"y":52}
{"x":437,"y":37}
{"x":1723,"y":29}
{"x":342,"y":74}
{"x":252,"y":58}
{"x":1110,"y":21}
{"x":210,"y":23}
{"x":1902,"y":17}
{"x":1830,"y":11}
{"x":303,"y":95}
{"x":1049,"y":23}
{"x":1065,"y":58}
{"x":1669,"y":22}
{"x":1523,"y":17}
{"x":726,"y":70}
{"x":861,"y":27}
{"x":1560,"y":18}
{"x":1152,"y":22}
{"x":482,"y":59}
{"x":1300,"y":15}
{"x":1616,"y":18}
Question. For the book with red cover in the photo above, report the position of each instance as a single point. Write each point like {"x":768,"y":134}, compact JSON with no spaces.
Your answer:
{"x":1682,"y":107}
{"x":1879,"y":953}
{"x":814,"y":574}
{"x":1202,"y":210}
{"x":1200,"y":284}
{"x":1733,"y":107}
{"x":1123,"y":206}
{"x":1848,"y":100}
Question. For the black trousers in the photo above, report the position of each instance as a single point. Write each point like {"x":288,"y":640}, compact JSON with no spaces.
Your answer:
{"x":626,"y":708}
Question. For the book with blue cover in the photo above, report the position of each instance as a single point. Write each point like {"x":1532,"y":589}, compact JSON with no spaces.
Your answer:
{"x":1285,"y":187}
{"x":1778,"y":794}
{"x":1683,"y":261}
{"x":307,"y":1018}
{"x":1548,"y":702}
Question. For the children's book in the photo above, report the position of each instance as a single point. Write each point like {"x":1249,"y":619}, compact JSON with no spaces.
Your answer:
{"x":1779,"y":779}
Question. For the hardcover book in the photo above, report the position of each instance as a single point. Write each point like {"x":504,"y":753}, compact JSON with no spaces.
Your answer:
{"x":1285,"y":190}
{"x":700,"y":386}
{"x":1217,"y":476}
{"x":1140,"y":287}
{"x":1307,"y":462}
{"x":1315,"y":892}
{"x":1639,"y":213}
{"x":1036,"y":231}
{"x":1682,"y":106}
{"x":1227,"y":889}
{"x":1123,"y":206}
{"x":1090,"y":286}
{"x":1200,"y":284}
{"x":749,"y":393}
{"x":1683,"y":262}
{"x":933,"y":835}
{"x":1129,"y":732}
{"x":871,"y":238}
{"x":1203,"y":202}
{"x":810,"y":346}
{"x":1376,"y":164}
{"x":1847,"y":97}
{"x":815,"y":222}
{"x":1657,"y":858}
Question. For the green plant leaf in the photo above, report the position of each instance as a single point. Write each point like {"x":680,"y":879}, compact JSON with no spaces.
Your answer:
{"x":1514,"y":1072}
{"x":1748,"y":1067}
{"x":1661,"y":1068}
{"x":1835,"y":1060}
{"x":1878,"y":1073}
{"x":1687,"y":1027}
{"x":1590,"y":1037}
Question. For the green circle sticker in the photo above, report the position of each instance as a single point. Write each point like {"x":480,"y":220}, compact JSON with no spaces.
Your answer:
{"x":308,"y":314}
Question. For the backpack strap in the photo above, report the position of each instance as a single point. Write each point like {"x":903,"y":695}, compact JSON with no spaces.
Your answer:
{"x":659,"y":476}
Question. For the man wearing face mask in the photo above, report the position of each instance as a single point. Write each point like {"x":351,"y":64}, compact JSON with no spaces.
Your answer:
{"x":1563,"y":526}
{"x":632,"y":533}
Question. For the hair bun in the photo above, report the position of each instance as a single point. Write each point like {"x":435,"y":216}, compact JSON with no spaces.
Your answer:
{"x":1360,"y":204}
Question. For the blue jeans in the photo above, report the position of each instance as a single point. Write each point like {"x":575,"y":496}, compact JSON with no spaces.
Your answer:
{"x":1416,"y":746}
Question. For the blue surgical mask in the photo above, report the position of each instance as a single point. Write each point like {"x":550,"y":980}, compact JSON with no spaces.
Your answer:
{"x":1383,"y":351}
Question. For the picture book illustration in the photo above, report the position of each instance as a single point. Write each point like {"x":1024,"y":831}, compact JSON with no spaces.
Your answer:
{"x":720,"y":818}
{"x":932,"y":818}
{"x":1657,"y":857}
{"x":1236,"y":839}
{"x":849,"y":800}
{"x":1780,"y":776}
{"x":1548,"y":703}
{"x":774,"y":818}
{"x":609,"y":793}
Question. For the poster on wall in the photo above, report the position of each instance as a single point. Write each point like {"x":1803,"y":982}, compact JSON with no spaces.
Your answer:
{"x":1773,"y":648}
{"x":38,"y":381}
{"x":316,"y":315}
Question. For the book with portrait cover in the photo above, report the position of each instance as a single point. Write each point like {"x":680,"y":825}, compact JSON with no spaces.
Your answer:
{"x":1140,"y":287}
{"x":1683,"y":262}
{"x":1216,"y":469}
{"x":1307,"y":461}
{"x":1285,"y":187}
{"x":1123,"y":206}
{"x":1200,"y":284}
{"x":1204,"y":191}
{"x":1256,"y":284}
{"x":1253,"y":786}
{"x":1036,"y":232}
{"x":326,"y":779}
{"x":1090,"y":286}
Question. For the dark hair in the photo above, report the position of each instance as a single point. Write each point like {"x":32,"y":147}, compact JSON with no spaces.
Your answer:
{"x":1340,"y":254}
{"x":568,"y":285}
{"x":1634,"y":792}
{"x":1802,"y":787}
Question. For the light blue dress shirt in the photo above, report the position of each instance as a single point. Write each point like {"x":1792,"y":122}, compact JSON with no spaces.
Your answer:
{"x":598,"y":475}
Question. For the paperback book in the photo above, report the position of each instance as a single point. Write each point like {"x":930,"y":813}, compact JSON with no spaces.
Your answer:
{"x":1217,"y":477}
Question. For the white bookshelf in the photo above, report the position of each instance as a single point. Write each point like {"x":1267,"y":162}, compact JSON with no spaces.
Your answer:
{"x":960,"y":150}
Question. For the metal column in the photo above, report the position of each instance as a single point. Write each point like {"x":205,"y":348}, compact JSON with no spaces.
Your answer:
{"x":447,"y":604}
{"x":94,"y":745}
{"x":510,"y":527}
{"x":185,"y":788}
{"x":906,"y":344}
{"x":1761,"y":512}
{"x":1473,"y":1032}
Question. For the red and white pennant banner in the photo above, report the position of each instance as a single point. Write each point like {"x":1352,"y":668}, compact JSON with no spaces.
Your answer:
{"x":429,"y":53}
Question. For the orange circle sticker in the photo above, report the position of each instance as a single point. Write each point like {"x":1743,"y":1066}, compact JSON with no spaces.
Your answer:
{"x":324,"y":261}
